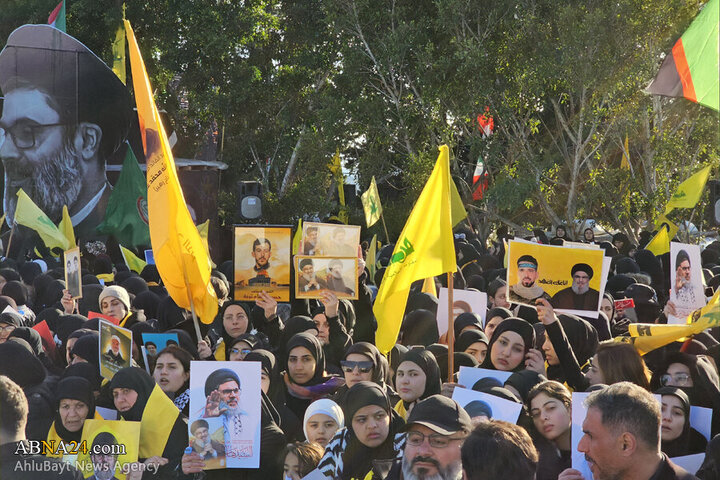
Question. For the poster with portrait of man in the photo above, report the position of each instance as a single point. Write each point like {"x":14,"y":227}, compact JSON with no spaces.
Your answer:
{"x":687,"y":292}
{"x":329,"y":240}
{"x":66,"y":114}
{"x":262,"y":262}
{"x":572,"y":280}
{"x":73,"y":276}
{"x":112,"y":449}
{"x":115,"y":348}
{"x":316,"y":275}
{"x":224,"y":420}
{"x":464,"y":301}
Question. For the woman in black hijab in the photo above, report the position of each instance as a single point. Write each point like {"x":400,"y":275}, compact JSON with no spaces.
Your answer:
{"x":75,"y":404}
{"x":467,"y":321}
{"x":305,"y":378}
{"x":233,"y":321}
{"x":351,"y":453}
{"x":510,"y":342}
{"x":364,"y":362}
{"x":295,"y":324}
{"x":677,"y":437}
{"x":419,"y":328}
{"x":474,"y":343}
{"x":163,"y":432}
{"x":495,"y":317}
{"x":569,"y":344}
{"x":417,"y":377}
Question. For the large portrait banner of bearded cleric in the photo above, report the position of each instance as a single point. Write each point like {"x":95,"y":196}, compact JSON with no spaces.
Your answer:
{"x":64,"y":115}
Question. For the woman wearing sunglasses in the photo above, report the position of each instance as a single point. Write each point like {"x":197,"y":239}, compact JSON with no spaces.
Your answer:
{"x":364,"y":362}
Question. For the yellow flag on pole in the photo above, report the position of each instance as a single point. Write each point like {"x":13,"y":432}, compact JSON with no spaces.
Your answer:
{"x":660,"y":243}
{"x":297,"y":238}
{"x":646,"y":337}
{"x":30,"y":215}
{"x":180,"y":256}
{"x":457,"y":208}
{"x":371,"y":258}
{"x":425,"y":249}
{"x":134,"y":263}
{"x":371,"y":204}
{"x":688,"y":193}
{"x":66,"y":227}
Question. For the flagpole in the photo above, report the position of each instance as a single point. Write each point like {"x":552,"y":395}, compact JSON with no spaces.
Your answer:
{"x":12,"y":230}
{"x":451,"y":328}
{"x":192,"y":304}
{"x":382,"y":217}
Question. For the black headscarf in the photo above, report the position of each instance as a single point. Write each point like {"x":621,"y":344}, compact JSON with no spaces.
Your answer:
{"x":379,"y":372}
{"x":690,"y":440}
{"x":467,"y":319}
{"x":419,"y":328}
{"x":294,"y":325}
{"x":267,"y":365}
{"x":21,"y":365}
{"x":523,"y":381}
{"x":90,"y":299}
{"x":11,"y":318}
{"x":512,"y":324}
{"x":460,"y":359}
{"x":87,"y":371}
{"x":582,"y":336}
{"x":74,"y":388}
{"x":86,"y":347}
{"x":186,"y":342}
{"x":138,"y":380}
{"x":427,"y":363}
{"x":357,"y":457}
{"x":310,"y":342}
{"x":465,"y":339}
{"x":147,"y":302}
{"x":497,"y":312}
{"x":221,"y":326}
{"x":32,"y":337}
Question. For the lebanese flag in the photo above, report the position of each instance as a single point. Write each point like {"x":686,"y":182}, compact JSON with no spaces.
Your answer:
{"x":480,"y":180}
{"x":691,"y":69}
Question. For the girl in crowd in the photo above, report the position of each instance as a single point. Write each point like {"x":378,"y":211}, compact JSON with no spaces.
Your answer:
{"x":677,"y":437}
{"x":618,"y":362}
{"x":235,"y":322}
{"x":494,"y":317}
{"x":172,"y":374}
{"x":510,"y":343}
{"x":417,"y":377}
{"x":239,"y":347}
{"x":373,"y":433}
{"x":363,"y":361}
{"x":75,"y":404}
{"x":474,"y":343}
{"x":163,"y":433}
{"x":305,"y":378}
{"x":323,"y":419}
{"x":607,"y":306}
{"x":569,"y":344}
{"x":549,"y":404}
{"x":300,"y":459}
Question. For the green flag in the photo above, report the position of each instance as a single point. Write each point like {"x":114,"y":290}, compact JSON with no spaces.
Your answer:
{"x":371,"y":204}
{"x":126,"y":217}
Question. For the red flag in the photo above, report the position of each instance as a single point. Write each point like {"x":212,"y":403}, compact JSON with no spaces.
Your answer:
{"x":112,"y":320}
{"x":486,"y":123}
{"x":47,"y":338}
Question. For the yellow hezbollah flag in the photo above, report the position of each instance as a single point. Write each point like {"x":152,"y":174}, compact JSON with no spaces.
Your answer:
{"x":429,"y":286}
{"x":425,"y":249}
{"x":66,"y":227}
{"x":646,"y":337}
{"x":660,"y":243}
{"x":458,"y":212}
{"x":689,"y":192}
{"x":30,"y":215}
{"x":371,"y":259}
{"x":133,"y":262}
{"x":663,"y":220}
{"x":180,"y":256}
{"x":371,"y":204}
{"x":297,"y":238}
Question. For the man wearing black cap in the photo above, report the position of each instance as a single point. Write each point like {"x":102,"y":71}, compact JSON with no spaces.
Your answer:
{"x":65,"y":113}
{"x":578,"y":296}
{"x":436,"y":430}
{"x":222,"y":389}
{"x":526,"y":291}
{"x":307,"y":280}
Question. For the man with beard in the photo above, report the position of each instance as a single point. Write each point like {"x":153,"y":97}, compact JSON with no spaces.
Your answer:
{"x":203,"y":443}
{"x":579,"y":296}
{"x":104,"y":464}
{"x":436,"y":430}
{"x":525,"y":291}
{"x":222,"y":389}
{"x":307,"y":280}
{"x":688,"y":296}
{"x":334,"y":280}
{"x":65,"y":113}
{"x":259,"y":275}
{"x":113,"y":353}
{"x":621,"y":437}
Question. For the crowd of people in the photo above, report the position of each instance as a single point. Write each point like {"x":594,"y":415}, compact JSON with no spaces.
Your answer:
{"x":334,"y":407}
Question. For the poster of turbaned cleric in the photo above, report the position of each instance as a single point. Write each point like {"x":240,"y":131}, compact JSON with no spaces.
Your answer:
{"x":329,"y":240}
{"x":73,"y":277}
{"x":112,"y":449}
{"x":262,"y":262}
{"x":67,"y":115}
{"x":224,"y":421}
{"x":115,"y":349}
{"x":316,"y":275}
{"x":571,"y":279}
{"x":687,"y":293}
